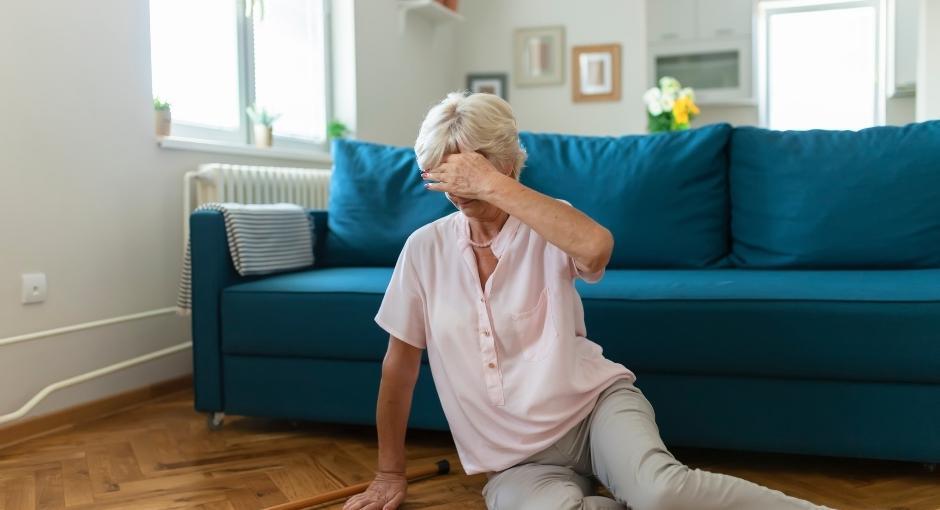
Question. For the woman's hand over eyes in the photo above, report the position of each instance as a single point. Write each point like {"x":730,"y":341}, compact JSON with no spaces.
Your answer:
{"x":464,"y":174}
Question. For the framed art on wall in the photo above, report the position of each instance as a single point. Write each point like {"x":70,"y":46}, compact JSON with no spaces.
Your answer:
{"x":595,"y":73}
{"x":538,"y":54}
{"x":489,"y":83}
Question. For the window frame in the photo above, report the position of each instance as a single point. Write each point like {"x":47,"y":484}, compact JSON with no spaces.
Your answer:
{"x":244,"y":135}
{"x":769,"y":8}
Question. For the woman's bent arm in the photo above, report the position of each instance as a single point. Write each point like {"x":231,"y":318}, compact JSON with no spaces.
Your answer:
{"x":470,"y":175}
{"x":589,"y":243}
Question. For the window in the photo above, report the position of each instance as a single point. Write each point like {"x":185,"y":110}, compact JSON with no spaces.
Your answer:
{"x":210,"y":62}
{"x":821,"y":64}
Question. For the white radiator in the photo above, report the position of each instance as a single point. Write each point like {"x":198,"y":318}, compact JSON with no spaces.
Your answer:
{"x":217,"y":182}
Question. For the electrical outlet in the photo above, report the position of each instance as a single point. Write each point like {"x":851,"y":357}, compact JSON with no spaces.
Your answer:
{"x":34,"y":287}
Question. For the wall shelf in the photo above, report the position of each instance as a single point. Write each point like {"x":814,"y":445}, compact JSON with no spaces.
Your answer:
{"x":432,"y":10}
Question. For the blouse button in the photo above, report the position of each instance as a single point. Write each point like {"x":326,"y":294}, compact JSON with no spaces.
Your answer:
{"x":492,"y":365}
{"x":486,"y":332}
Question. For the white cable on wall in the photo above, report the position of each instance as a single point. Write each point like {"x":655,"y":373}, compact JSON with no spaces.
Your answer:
{"x":43,"y":393}
{"x":28,"y":406}
{"x":86,"y":325}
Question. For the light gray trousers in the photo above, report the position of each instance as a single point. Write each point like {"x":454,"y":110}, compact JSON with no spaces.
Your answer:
{"x":619,"y":443}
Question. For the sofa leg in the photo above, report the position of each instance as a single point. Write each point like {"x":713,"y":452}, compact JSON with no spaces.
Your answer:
{"x":931,"y":467}
{"x":214,"y":420}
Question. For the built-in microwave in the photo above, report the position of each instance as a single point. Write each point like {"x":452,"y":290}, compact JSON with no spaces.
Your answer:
{"x":720,"y":71}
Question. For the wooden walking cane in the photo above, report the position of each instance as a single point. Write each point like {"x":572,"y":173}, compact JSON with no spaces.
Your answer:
{"x":441,"y":467}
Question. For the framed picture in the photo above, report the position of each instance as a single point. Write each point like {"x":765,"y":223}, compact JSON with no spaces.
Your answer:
{"x":491,"y":83}
{"x":596,"y":73}
{"x":539,"y":56}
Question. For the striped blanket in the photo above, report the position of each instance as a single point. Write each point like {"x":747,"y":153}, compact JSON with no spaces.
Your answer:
{"x":262,"y":238}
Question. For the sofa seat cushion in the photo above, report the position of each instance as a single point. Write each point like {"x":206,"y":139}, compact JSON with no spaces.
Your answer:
{"x":321,"y":313}
{"x":844,"y":325}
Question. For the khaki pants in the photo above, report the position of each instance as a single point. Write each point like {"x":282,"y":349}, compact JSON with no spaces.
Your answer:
{"x":619,"y":443}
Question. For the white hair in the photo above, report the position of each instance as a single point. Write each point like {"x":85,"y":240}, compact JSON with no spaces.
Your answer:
{"x":479,"y":122}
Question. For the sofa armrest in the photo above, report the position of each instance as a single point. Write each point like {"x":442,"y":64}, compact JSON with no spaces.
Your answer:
{"x":319,"y":223}
{"x":212,"y":272}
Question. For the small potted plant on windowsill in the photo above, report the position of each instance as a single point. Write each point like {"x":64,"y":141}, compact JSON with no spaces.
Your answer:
{"x":162,"y":117}
{"x":263,"y":122}
{"x":336,"y":129}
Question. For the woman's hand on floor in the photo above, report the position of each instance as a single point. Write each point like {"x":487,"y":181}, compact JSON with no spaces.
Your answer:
{"x":386,"y":492}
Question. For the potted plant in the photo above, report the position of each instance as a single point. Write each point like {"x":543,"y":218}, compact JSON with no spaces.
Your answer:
{"x":336,"y":129}
{"x":669,"y":107}
{"x":263,"y":122}
{"x":162,"y":117}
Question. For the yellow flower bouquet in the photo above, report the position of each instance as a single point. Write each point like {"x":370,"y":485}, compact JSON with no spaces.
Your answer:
{"x":669,"y":107}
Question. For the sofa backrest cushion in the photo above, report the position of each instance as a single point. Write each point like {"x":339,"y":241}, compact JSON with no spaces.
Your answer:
{"x":829,"y":199}
{"x":664,"y":196}
{"x":377,"y":199}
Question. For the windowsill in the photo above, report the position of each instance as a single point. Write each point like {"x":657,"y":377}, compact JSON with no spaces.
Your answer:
{"x":195,"y":144}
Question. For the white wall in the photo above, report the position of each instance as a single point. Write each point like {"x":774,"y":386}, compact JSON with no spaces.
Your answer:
{"x":928,"y":69}
{"x":87,"y":197}
{"x":400,"y":74}
{"x":485,"y":40}
{"x":735,"y":115}
{"x":898,"y":111}
{"x":484,"y":44}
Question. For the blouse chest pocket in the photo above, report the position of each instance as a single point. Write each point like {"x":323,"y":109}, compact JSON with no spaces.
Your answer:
{"x":533,"y":332}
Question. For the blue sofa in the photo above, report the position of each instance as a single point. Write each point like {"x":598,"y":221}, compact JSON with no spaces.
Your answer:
{"x":773,"y":291}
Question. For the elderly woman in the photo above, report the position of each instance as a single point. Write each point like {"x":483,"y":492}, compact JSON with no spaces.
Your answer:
{"x":489,"y":292}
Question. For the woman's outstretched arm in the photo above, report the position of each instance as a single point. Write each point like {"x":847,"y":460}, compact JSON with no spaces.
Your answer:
{"x":400,"y":370}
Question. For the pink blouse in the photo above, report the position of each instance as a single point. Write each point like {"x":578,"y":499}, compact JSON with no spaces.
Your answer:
{"x":511,"y":363}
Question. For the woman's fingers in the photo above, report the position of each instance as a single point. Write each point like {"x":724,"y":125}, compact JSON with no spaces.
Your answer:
{"x":395,"y":502}
{"x":356,"y":502}
{"x":365,"y":500}
{"x":445,"y":167}
{"x":434,"y":176}
{"x":437,"y":186}
{"x":440,"y":170}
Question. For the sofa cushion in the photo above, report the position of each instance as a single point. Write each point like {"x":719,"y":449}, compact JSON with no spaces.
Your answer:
{"x":320,"y":313}
{"x":836,"y":199}
{"x":664,"y":196}
{"x":377,"y":199}
{"x":848,"y":325}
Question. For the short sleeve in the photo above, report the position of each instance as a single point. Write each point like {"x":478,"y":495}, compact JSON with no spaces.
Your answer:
{"x":402,"y":313}
{"x":573,"y":267}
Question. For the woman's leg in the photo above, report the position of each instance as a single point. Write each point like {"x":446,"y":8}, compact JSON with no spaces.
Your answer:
{"x":543,"y":487}
{"x":629,"y":458}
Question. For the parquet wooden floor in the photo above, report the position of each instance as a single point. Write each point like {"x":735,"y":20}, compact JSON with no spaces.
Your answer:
{"x":161,"y":456}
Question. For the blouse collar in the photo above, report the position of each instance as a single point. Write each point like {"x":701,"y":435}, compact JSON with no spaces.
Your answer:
{"x":502,"y":240}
